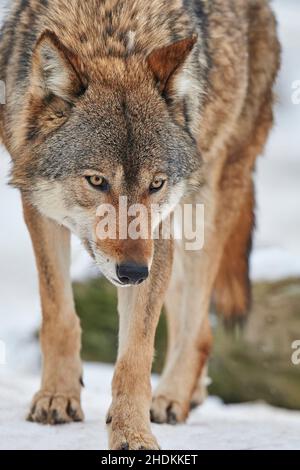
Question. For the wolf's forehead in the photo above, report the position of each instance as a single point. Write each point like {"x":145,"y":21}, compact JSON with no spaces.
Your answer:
{"x":110,"y":138}
{"x":120,"y":136}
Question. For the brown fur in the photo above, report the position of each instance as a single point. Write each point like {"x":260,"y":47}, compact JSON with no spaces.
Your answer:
{"x":232,"y":290}
{"x":127,"y":91}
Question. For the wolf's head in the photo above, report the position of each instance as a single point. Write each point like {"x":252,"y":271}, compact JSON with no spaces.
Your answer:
{"x":97,"y":131}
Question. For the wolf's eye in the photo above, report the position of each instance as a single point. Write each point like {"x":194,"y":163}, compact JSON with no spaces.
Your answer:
{"x":157,"y":184}
{"x":98,"y":182}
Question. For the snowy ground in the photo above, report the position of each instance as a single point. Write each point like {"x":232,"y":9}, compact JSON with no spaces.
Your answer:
{"x":276,"y":255}
{"x":214,"y":426}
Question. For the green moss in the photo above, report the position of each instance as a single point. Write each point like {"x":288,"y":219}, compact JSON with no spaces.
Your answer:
{"x":256,"y":364}
{"x":96,"y":305}
{"x":249,"y":364}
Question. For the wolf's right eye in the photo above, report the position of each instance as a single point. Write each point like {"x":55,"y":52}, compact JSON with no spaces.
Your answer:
{"x":98,"y":182}
{"x":157,"y":184}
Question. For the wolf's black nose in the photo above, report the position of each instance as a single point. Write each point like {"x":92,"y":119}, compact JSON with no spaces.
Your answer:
{"x":132,"y":273}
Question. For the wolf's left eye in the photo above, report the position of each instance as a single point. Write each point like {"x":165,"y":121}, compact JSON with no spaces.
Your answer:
{"x":157,"y":184}
{"x":98,"y":182}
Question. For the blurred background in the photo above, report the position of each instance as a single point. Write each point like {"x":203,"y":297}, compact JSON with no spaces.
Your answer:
{"x":248,"y":364}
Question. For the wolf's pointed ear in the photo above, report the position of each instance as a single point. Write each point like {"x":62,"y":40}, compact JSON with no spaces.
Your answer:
{"x":168,"y":60}
{"x":56,"y":70}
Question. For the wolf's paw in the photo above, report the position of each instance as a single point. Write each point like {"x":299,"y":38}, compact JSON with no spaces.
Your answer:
{"x":167,"y":410}
{"x":130,"y":439}
{"x":129,"y":436}
{"x":49,"y":408}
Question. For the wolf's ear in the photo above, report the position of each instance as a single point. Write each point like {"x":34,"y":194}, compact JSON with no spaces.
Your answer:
{"x":56,"y":70}
{"x":167,"y":61}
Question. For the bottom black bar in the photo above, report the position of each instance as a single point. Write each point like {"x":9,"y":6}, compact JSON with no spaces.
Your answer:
{"x":139,"y":459}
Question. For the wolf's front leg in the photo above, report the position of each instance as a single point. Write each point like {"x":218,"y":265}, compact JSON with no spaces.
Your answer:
{"x":139,"y":308}
{"x":58,"y":400}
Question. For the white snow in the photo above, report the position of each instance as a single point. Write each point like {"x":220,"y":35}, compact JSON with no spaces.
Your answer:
{"x":213,"y":426}
{"x":276,"y":255}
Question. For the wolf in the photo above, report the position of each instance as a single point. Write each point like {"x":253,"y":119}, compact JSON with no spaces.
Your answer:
{"x":165,"y":102}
